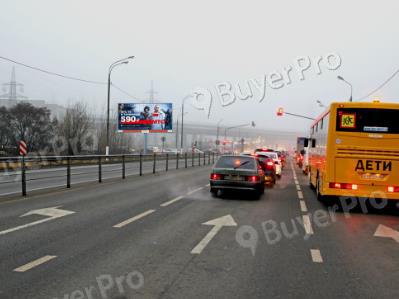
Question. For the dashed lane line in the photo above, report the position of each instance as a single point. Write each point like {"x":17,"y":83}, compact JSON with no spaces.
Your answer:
{"x":303,"y":206}
{"x":316,"y":255}
{"x":300,"y":194}
{"x":195,"y":190}
{"x":35,"y":263}
{"x":137,"y":217}
{"x":167,"y":203}
{"x":307,"y":224}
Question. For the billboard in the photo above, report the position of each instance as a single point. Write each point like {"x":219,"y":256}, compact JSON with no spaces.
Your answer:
{"x":145,"y":117}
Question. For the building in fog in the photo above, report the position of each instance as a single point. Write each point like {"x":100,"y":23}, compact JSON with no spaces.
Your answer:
{"x":11,"y":97}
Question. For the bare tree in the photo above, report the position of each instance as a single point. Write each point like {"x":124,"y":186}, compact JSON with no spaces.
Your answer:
{"x":5,"y":131}
{"x":75,"y":128}
{"x":31,"y":124}
{"x":119,"y":142}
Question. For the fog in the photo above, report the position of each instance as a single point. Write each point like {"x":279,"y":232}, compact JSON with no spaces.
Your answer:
{"x":184,"y":45}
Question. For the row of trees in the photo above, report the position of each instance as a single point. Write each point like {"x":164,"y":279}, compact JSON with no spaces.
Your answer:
{"x":76,"y":133}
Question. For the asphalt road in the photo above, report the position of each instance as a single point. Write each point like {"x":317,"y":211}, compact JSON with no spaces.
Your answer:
{"x":144,"y":237}
{"x":10,"y":182}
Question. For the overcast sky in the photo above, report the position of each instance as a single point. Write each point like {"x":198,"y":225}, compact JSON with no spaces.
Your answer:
{"x":182,"y":45}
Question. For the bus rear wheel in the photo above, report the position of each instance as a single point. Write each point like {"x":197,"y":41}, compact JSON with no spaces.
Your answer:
{"x":319,"y":196}
{"x":310,"y":181}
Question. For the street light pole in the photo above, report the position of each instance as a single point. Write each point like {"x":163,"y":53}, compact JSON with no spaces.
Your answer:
{"x":252,"y":124}
{"x":342,"y":79}
{"x":182,"y":121}
{"x":217,"y":135}
{"x":111,"y":67}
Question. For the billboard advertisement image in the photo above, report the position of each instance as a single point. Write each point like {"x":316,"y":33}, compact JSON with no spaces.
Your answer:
{"x":145,"y":117}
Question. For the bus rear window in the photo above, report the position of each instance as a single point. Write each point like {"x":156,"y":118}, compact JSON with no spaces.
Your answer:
{"x":368,"y":120}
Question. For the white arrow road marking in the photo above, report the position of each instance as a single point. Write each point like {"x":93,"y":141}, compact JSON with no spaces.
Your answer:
{"x":137,"y":217}
{"x":52,"y":213}
{"x":386,"y":232}
{"x":35,"y":263}
{"x":217,"y":223}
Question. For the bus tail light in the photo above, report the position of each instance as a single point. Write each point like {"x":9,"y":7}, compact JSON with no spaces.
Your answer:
{"x":392,"y":189}
{"x":344,"y":186}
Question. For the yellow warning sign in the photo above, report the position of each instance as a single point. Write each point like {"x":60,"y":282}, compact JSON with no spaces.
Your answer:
{"x":348,"y":120}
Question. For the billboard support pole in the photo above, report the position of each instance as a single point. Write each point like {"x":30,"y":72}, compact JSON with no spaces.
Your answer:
{"x":145,"y":143}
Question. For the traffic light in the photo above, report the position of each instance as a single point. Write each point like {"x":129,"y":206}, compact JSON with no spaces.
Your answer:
{"x":280,"y":111}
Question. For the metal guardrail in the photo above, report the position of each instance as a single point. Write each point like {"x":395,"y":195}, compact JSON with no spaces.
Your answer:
{"x":13,"y":166}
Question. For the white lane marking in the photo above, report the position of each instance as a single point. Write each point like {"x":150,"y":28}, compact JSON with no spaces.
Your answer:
{"x":52,"y":213}
{"x":207,"y":185}
{"x":296,"y":182}
{"x":298,"y":187}
{"x":165,"y":204}
{"x":300,"y":195}
{"x":303,"y":206}
{"x":386,"y":232}
{"x":195,"y":190}
{"x":316,"y":256}
{"x":307,"y":225}
{"x":137,"y":217}
{"x":35,"y":263}
{"x":217,"y":223}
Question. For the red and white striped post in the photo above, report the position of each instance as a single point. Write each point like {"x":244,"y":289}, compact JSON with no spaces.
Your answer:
{"x":23,"y":151}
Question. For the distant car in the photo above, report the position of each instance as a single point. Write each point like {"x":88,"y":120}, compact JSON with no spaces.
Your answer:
{"x":274,"y":156}
{"x":305,"y":161}
{"x":197,"y":151}
{"x":171,"y":150}
{"x":234,"y":172}
{"x":268,"y":166}
{"x":282,"y":158}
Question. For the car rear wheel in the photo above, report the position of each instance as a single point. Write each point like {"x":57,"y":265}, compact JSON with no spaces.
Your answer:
{"x":261,"y":189}
{"x":214,"y":192}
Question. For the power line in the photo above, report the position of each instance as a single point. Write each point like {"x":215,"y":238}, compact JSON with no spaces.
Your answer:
{"x":379,"y":87}
{"x":124,"y":92}
{"x":65,"y":76}
{"x":52,"y":73}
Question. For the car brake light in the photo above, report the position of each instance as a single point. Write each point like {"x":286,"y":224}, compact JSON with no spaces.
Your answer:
{"x":253,"y":178}
{"x":344,"y":186}
{"x":392,"y":189}
{"x":216,"y":176}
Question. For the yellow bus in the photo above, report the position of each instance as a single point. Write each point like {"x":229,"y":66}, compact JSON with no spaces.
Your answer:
{"x":354,"y":151}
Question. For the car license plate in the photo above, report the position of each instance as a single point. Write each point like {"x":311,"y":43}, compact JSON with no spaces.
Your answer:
{"x":373,"y":176}
{"x":235,"y":177}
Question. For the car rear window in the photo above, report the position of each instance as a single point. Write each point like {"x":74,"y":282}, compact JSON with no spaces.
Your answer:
{"x":271,"y":155}
{"x":368,"y":120}
{"x":232,"y":162}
